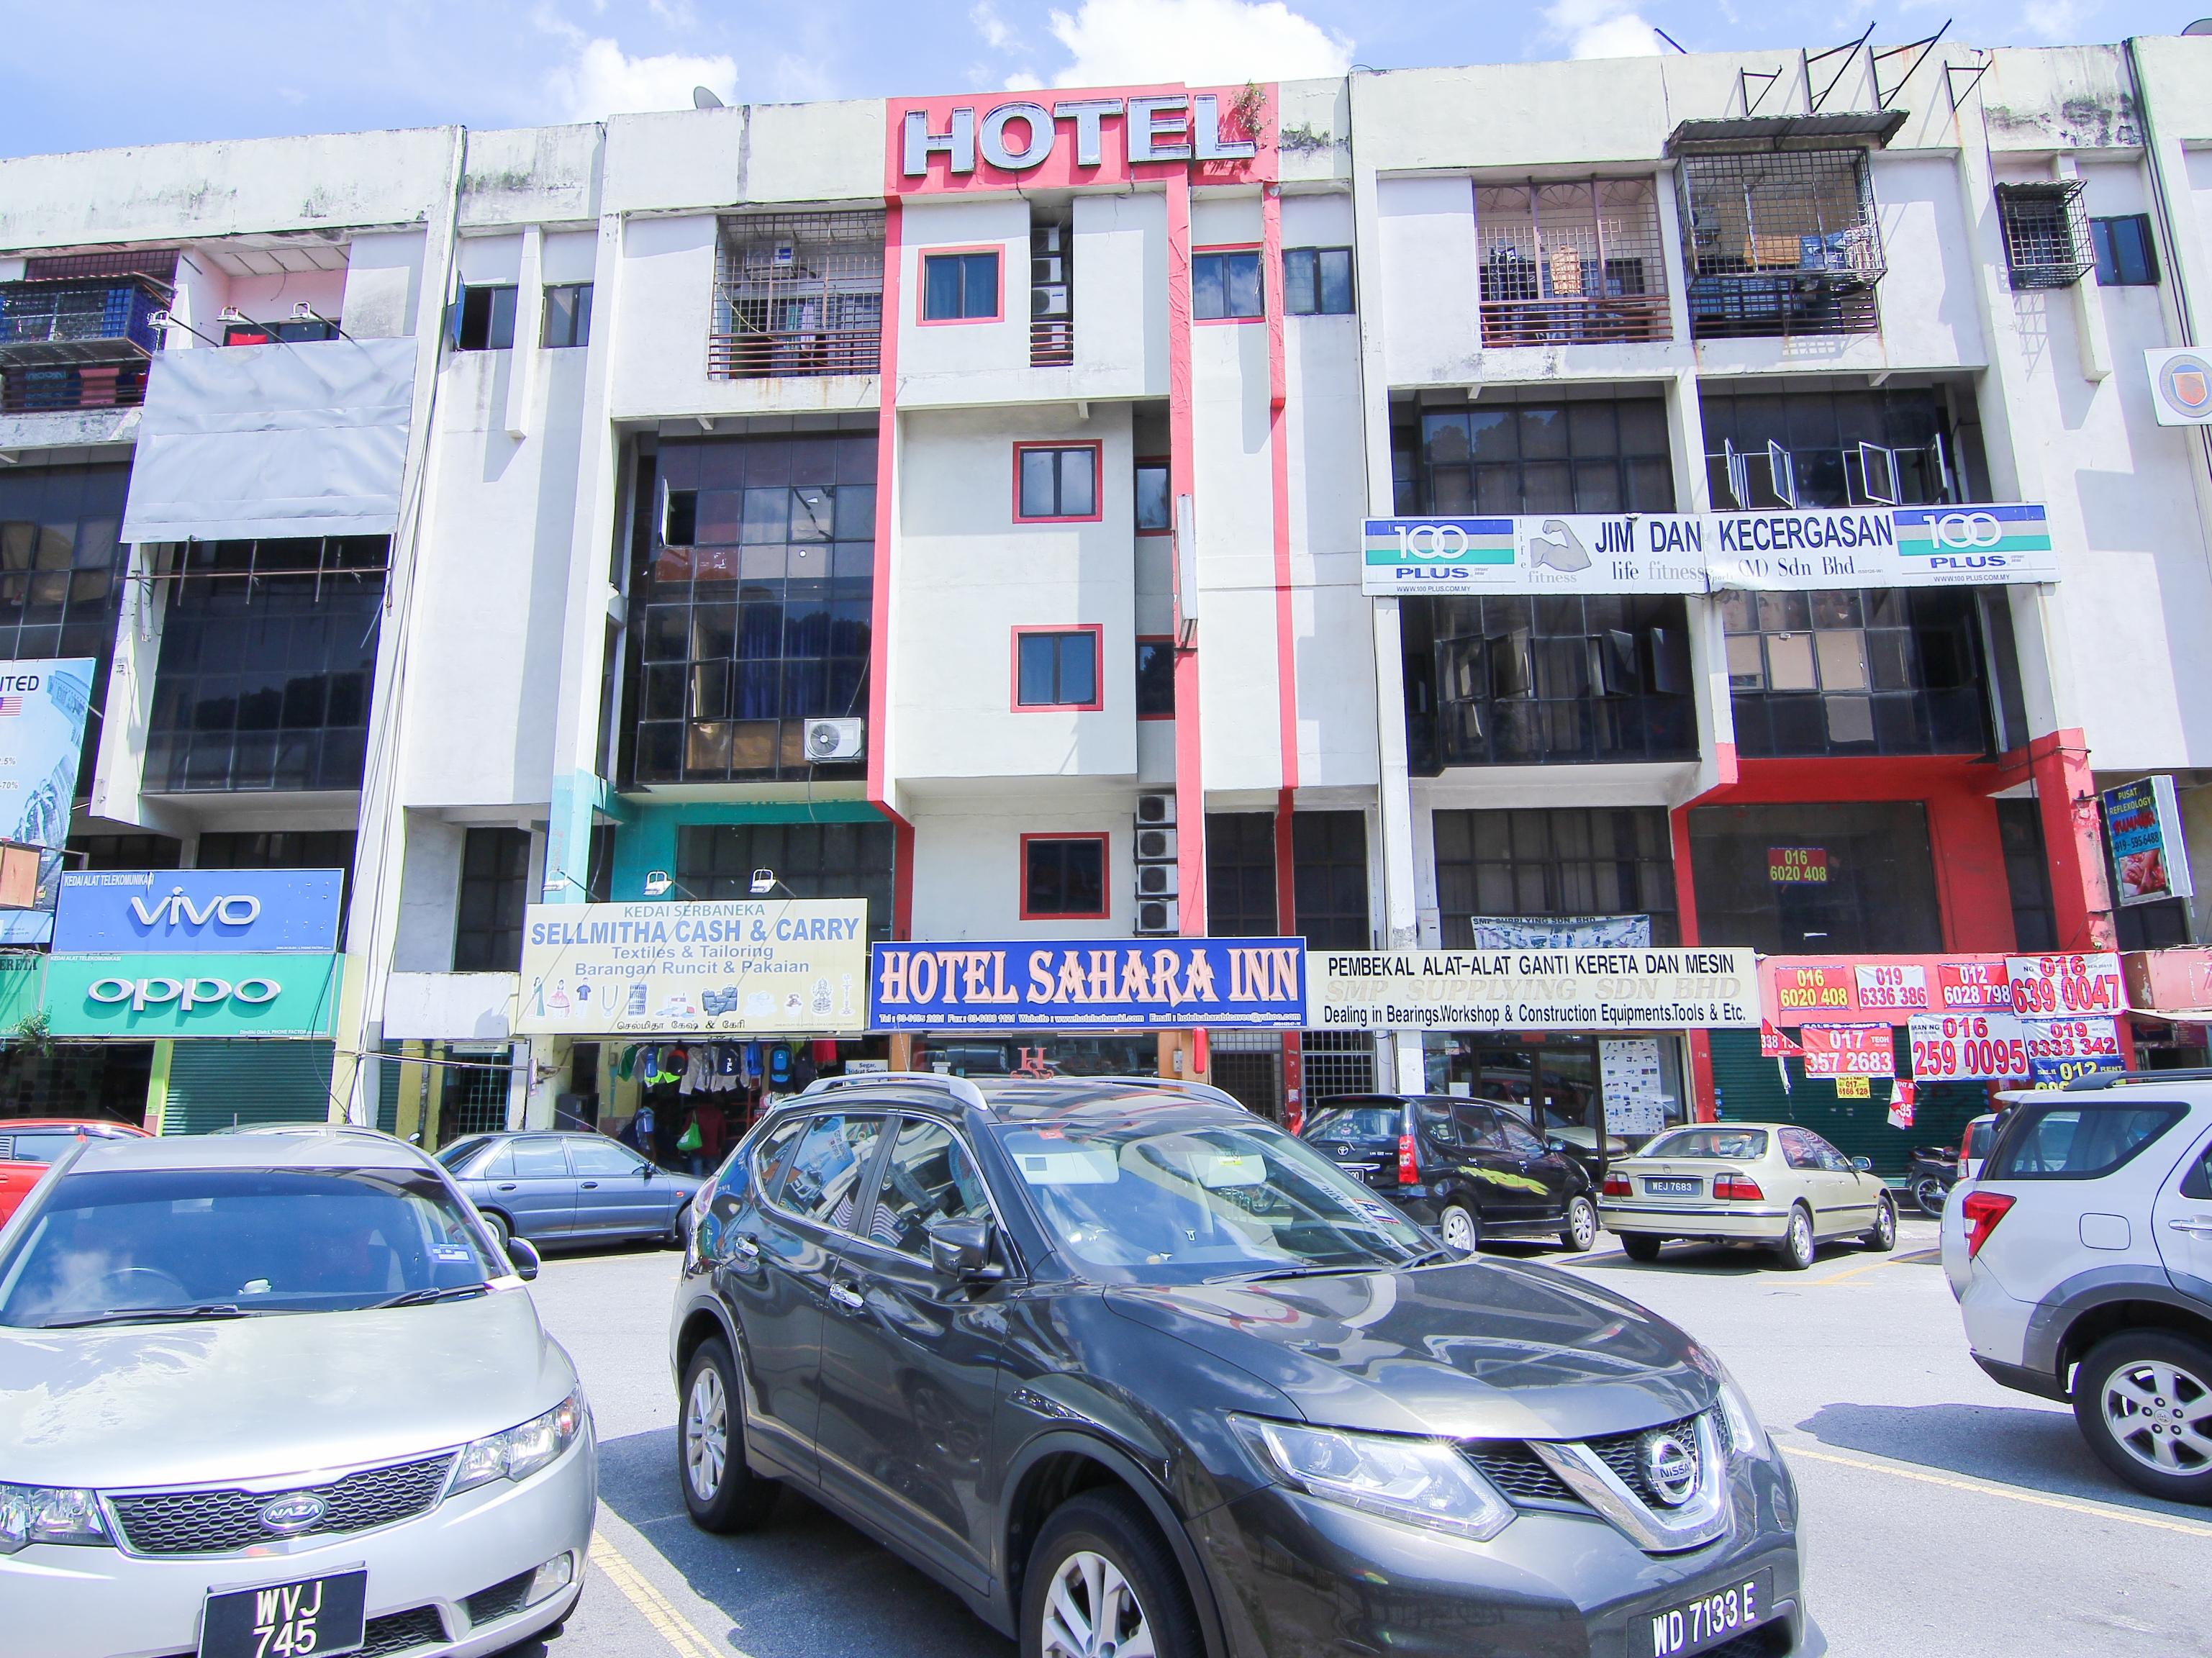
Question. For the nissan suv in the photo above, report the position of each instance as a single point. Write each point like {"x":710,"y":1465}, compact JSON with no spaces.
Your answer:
{"x":1131,"y":1370}
{"x":2082,"y":1257}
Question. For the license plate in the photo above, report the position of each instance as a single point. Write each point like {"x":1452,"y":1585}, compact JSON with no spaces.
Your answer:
{"x":1673,"y":1188}
{"x":309,"y":1616}
{"x":1720,"y":1614}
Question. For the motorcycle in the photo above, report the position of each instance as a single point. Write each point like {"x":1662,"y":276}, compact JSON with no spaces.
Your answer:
{"x":1934,"y":1171}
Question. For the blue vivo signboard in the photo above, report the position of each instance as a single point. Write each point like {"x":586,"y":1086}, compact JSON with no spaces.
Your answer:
{"x":104,"y":912}
{"x":1096,"y":984}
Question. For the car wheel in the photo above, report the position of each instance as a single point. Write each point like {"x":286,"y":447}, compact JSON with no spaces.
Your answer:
{"x":1101,"y":1580}
{"x":1797,"y":1252}
{"x":1881,"y":1237}
{"x":2144,"y":1399}
{"x":1581,"y":1230}
{"x":722,"y":1494}
{"x":679,"y":1229}
{"x":501,"y":1231}
{"x":1928,"y":1194}
{"x":1640,"y":1246}
{"x":1459,"y":1228}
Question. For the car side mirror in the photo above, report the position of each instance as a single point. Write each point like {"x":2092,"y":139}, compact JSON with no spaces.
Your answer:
{"x":960,"y":1249}
{"x":524,"y":1254}
{"x":1864,"y":1165}
{"x":647,"y":1172}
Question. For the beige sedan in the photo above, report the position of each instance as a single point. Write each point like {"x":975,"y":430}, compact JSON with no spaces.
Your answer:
{"x":1745,"y":1182}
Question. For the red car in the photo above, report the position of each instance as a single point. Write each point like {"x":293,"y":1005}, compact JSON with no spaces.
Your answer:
{"x":27,"y":1145}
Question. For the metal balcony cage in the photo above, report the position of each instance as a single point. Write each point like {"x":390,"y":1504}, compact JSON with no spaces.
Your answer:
{"x":1781,"y":243}
{"x":798,"y":294}
{"x":1052,"y":290}
{"x":2046,"y":233}
{"x":1576,"y":263}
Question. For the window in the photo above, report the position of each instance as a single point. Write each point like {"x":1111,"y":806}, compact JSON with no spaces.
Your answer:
{"x":484,"y":319}
{"x":2028,"y":876}
{"x":1600,"y":456}
{"x":815,"y":860}
{"x":1241,"y":898}
{"x":1064,"y":878}
{"x":1056,"y":483}
{"x":825,"y":1182}
{"x":751,"y":607}
{"x":286,"y":849}
{"x":2046,"y":234}
{"x":1566,"y":861}
{"x":1057,"y":668}
{"x":960,"y":287}
{"x":2077,"y":1142}
{"x":293,"y":331}
{"x":798,"y":294}
{"x":1780,"y":243}
{"x":1328,"y":876}
{"x":540,"y":1159}
{"x":268,"y":654}
{"x":929,"y":1178}
{"x":1809,"y":449}
{"x":1156,"y":678}
{"x":2125,"y":256}
{"x":1225,"y":286}
{"x":567,"y":316}
{"x":494,"y":890}
{"x":1317,"y":281}
{"x":1576,"y":263}
{"x":1878,"y":892}
{"x":61,"y":570}
{"x":1155,"y":512}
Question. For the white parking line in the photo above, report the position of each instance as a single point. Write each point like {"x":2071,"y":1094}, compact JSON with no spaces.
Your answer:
{"x":1993,"y":1488}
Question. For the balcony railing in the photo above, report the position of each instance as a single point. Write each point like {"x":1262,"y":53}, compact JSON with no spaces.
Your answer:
{"x":1781,"y":243}
{"x":1571,"y":263}
{"x":72,"y":322}
{"x":1052,"y":343}
{"x":798,"y":294}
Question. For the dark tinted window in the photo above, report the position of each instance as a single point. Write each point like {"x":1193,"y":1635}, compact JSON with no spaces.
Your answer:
{"x":484,"y":319}
{"x":1057,"y":669}
{"x":824,"y":1181}
{"x":61,"y":569}
{"x":1355,"y":1122}
{"x":1800,"y":1149}
{"x":770,"y":1162}
{"x":1329,"y":878}
{"x":495,"y":891}
{"x":1317,"y":281}
{"x":814,"y":861}
{"x":498,"y":1165}
{"x":1564,"y":861}
{"x":568,"y":315}
{"x":1064,"y":875}
{"x":2197,"y":1183}
{"x":1241,"y":895}
{"x":1439,"y":1124}
{"x":1156,"y":679}
{"x":1153,"y":513}
{"x":1518,"y":1140}
{"x":2125,"y":255}
{"x":2076,"y":1142}
{"x":1057,"y":484}
{"x":35,"y":1147}
{"x":929,"y":1177}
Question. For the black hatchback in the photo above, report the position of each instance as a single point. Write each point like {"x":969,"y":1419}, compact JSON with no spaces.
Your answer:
{"x":1133,"y":1371}
{"x":1470,"y":1169}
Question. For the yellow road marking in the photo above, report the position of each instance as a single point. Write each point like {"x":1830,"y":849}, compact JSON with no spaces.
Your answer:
{"x":1993,"y":1488}
{"x":1877,"y":1263}
{"x":657,"y":1609}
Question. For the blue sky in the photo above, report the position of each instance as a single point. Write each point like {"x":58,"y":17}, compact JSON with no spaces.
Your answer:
{"x":129,"y":72}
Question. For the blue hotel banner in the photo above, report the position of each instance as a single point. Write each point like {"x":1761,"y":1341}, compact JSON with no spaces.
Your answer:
{"x":1089,"y":984}
{"x":181,"y":911}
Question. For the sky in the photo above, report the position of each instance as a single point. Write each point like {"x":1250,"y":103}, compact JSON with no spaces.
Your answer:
{"x":133,"y":72}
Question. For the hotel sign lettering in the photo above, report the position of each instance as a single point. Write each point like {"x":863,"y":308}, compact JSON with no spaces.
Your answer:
{"x":1220,"y":134}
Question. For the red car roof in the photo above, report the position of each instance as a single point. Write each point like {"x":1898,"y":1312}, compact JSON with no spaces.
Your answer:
{"x":96,"y":1125}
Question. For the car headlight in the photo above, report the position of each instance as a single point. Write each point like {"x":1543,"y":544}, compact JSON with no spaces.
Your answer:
{"x":37,"y":1514}
{"x":1744,"y":1431}
{"x":1424,"y":1482}
{"x":520,"y":1451}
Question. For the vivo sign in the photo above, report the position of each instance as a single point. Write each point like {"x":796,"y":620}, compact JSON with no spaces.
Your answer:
{"x":1088,"y":138}
{"x":136,"y":911}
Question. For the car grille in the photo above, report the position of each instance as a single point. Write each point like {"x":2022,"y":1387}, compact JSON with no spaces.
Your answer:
{"x":1622,"y":1453}
{"x":220,"y":1522}
{"x":1519,"y":1473}
{"x":501,"y":1599}
{"x":402,"y":1631}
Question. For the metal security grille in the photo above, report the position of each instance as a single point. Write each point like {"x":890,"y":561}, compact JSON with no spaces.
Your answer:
{"x":2046,"y":231}
{"x":1571,"y":263}
{"x":1337,"y":1062}
{"x":221,"y":1522}
{"x":798,"y":294}
{"x":1248,"y":1065}
{"x":1051,"y":292}
{"x":1780,"y":243}
{"x":476,"y":1098}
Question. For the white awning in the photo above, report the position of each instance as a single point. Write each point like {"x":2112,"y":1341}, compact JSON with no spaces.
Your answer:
{"x":267,"y":440}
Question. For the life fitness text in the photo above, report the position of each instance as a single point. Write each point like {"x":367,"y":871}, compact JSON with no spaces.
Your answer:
{"x":186,"y":993}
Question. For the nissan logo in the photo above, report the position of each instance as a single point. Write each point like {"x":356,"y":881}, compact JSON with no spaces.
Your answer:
{"x":1669,"y":1463}
{"x":1968,"y":530}
{"x":292,"y":1512}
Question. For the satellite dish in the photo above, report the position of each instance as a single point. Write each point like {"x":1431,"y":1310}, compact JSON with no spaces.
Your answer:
{"x":704,"y":98}
{"x":2202,"y":26}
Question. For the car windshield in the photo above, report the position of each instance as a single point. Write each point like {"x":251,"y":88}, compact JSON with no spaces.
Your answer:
{"x":1177,"y":1197}
{"x":1355,"y":1122}
{"x":110,"y":1246}
{"x":1734,"y":1144}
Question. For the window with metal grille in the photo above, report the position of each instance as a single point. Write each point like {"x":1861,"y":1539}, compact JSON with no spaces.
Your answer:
{"x":1328,"y":879}
{"x":1805,"y":449}
{"x":61,"y":572}
{"x":474,"y":1097}
{"x":2125,"y":255}
{"x":1064,"y":878}
{"x":1564,"y":861}
{"x":1240,"y":875}
{"x":495,"y":891}
{"x":1570,"y":263}
{"x":1336,"y":1062}
{"x":268,"y":655}
{"x":798,"y":294}
{"x":1781,"y":242}
{"x":1317,"y":281}
{"x":2046,"y":234}
{"x":814,"y":861}
{"x":1595,"y":456}
{"x":78,"y":342}
{"x":1225,"y":286}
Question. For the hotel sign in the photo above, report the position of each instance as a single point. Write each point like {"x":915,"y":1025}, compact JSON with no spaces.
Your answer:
{"x":1220,"y":135}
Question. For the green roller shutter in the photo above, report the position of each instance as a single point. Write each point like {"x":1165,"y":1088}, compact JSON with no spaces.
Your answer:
{"x":388,"y":1093}
{"x":1750,"y":1089}
{"x":214,"y":1084}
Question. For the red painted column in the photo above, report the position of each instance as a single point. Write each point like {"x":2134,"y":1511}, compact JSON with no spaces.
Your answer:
{"x":1971,"y":889}
{"x":1190,"y":777}
{"x":2066,"y":793}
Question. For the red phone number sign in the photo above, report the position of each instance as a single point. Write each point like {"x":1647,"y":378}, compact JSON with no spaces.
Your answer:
{"x":1969,"y":1048}
{"x":1848,"y":1050}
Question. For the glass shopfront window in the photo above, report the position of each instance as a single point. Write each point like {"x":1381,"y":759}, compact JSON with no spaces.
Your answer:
{"x":811,"y":860}
{"x":1599,"y":455}
{"x":1848,"y":878}
{"x":61,"y":568}
{"x":1564,"y":861}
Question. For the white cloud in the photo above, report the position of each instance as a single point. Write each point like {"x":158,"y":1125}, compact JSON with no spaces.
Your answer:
{"x":1217,"y":42}
{"x":997,"y":35}
{"x":602,"y":80}
{"x":2056,"y":19}
{"x":1601,"y":28}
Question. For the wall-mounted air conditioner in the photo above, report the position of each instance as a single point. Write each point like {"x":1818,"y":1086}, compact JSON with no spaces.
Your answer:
{"x":1155,"y":915}
{"x":1156,"y":812}
{"x":1156,"y":846}
{"x":834,"y":739}
{"x":1156,"y":880}
{"x":1048,"y":299}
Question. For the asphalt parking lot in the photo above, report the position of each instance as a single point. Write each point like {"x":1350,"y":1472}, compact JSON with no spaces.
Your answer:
{"x":1943,"y":1513}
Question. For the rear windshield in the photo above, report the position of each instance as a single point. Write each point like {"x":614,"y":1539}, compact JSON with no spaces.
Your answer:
{"x":2077,"y":1142}
{"x":1355,"y":1122}
{"x":1729,"y":1145}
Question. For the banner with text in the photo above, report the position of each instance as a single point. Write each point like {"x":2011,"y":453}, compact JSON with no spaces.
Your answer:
{"x":1848,"y":1050}
{"x":1795,"y":989}
{"x":1685,"y":989}
{"x":1104,"y":984}
{"x":2059,"y":1050}
{"x":1950,"y":1048}
{"x":201,"y":993}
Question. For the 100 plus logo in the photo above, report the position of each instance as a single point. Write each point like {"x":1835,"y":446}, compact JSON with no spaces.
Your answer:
{"x":161,"y":991}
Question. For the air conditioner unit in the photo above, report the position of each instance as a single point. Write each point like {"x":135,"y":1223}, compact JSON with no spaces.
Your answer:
{"x":1155,"y":915}
{"x":1045,"y":239}
{"x":1156,"y":880}
{"x":1048,"y":269}
{"x":1156,"y":846}
{"x":833,"y":739}
{"x":1156,"y":812}
{"x":1048,"y":299}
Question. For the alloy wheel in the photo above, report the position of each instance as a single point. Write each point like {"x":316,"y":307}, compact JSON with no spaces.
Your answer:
{"x":1459,"y":1229}
{"x":1885,"y":1224}
{"x":705,"y":1433}
{"x":1929,"y":1193}
{"x":1582,"y":1222}
{"x":1092,"y":1611}
{"x":2161,"y":1416}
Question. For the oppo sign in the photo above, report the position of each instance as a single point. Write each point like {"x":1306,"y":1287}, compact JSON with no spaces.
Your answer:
{"x":186,"y":993}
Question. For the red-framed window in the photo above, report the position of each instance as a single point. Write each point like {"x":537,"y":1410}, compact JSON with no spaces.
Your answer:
{"x":1064,"y":878}
{"x":1155,"y":501}
{"x":1228,"y":284}
{"x":1059,"y":668}
{"x":1056,"y":483}
{"x":1155,"y":677}
{"x":961,"y":285}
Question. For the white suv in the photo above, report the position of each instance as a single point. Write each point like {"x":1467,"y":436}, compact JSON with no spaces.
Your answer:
{"x":2082,"y":1257}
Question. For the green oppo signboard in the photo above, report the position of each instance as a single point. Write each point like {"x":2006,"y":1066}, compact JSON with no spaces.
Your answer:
{"x":146,"y":997}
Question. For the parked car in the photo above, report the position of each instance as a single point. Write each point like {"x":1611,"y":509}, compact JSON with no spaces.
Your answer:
{"x":569,"y":1188}
{"x":2082,"y":1257}
{"x":1471,"y":1168}
{"x":278,"y":1393}
{"x":1773,"y":1184}
{"x":29,"y":1145}
{"x":1133,"y":1371}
